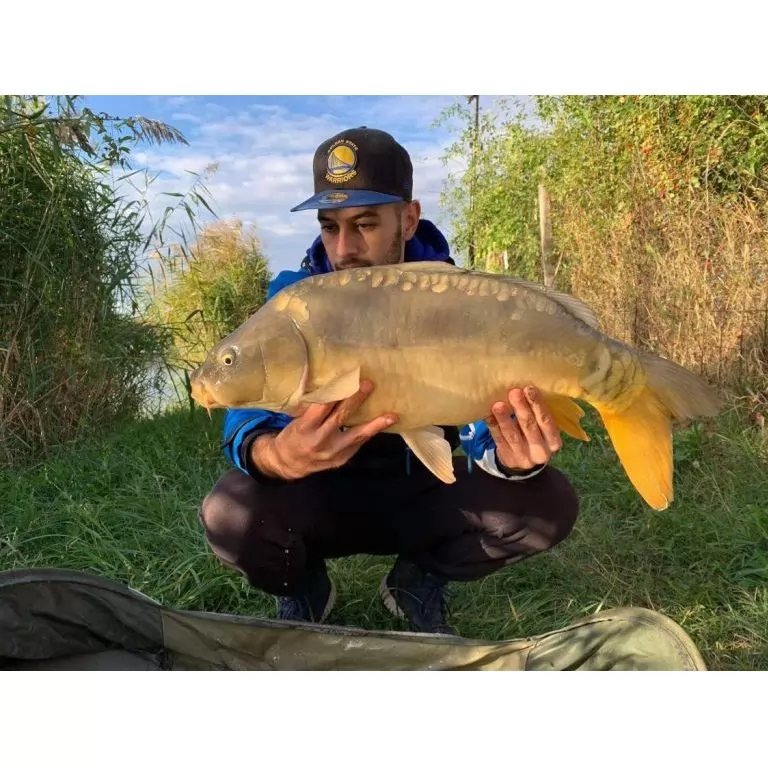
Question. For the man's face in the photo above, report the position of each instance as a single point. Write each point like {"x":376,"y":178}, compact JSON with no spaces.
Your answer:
{"x":366,"y":237}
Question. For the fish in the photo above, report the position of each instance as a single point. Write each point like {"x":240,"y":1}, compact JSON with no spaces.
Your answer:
{"x":441,"y":343}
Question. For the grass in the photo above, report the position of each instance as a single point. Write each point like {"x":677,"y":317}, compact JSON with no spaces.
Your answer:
{"x":126,"y":507}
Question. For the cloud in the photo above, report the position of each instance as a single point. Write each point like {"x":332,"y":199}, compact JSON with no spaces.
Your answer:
{"x":177,"y":101}
{"x":277,"y":225}
{"x":185,"y":117}
{"x":414,"y":113}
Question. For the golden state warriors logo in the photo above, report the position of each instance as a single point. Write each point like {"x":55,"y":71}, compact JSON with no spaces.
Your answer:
{"x":342,"y":162}
{"x":334,"y":197}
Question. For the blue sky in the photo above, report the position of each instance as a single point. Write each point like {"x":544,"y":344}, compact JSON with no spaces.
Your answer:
{"x":264,"y":148}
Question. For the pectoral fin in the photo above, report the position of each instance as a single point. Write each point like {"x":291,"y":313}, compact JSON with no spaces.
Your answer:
{"x":567,"y":414}
{"x":337,"y":389}
{"x":433,"y":450}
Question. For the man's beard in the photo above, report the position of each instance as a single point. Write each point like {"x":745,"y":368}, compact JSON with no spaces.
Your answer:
{"x":393,"y":256}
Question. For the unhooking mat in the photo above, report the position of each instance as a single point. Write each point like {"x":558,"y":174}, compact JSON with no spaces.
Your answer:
{"x":54,"y":619}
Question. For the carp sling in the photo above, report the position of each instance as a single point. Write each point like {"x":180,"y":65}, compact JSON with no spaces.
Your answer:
{"x":442,"y":343}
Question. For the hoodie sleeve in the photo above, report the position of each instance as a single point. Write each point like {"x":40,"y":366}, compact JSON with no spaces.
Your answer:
{"x":477,"y":443}
{"x":243,"y":425}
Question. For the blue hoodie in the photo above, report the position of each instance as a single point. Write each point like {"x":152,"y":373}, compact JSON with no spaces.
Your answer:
{"x":243,"y":425}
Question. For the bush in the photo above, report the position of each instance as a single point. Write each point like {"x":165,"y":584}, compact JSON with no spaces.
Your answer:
{"x":200,"y":294}
{"x":72,"y":357}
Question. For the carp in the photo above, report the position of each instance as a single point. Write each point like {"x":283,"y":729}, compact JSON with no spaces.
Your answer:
{"x":441,"y":343}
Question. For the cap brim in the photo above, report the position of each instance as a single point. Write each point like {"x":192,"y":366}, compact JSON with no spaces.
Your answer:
{"x":346,"y":198}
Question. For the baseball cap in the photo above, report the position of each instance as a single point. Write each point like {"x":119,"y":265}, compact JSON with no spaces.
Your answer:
{"x":360,"y":167}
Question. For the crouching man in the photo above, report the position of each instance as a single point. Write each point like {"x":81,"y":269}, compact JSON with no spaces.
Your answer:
{"x":304,"y":490}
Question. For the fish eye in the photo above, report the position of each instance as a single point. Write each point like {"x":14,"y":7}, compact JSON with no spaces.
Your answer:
{"x":228,"y":356}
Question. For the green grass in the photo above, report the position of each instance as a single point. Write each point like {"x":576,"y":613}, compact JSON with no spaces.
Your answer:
{"x":126,"y":507}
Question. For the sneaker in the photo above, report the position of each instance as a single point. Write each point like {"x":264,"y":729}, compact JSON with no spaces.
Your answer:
{"x":315,"y":601}
{"x":420,"y":598}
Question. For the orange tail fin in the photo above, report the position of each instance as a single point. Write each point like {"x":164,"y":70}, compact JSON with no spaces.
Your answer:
{"x":642,"y":433}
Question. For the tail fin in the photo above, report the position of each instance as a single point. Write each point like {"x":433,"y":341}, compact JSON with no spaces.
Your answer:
{"x":642,"y":433}
{"x":685,"y":394}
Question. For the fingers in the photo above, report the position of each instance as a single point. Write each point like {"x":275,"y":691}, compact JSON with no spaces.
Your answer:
{"x":328,"y":418}
{"x":506,"y":432}
{"x":362,"y":432}
{"x":531,"y":437}
{"x":544,"y":419}
{"x":347,"y":407}
{"x":526,"y":415}
{"x":315,"y":414}
{"x":331,"y":416}
{"x":343,"y":410}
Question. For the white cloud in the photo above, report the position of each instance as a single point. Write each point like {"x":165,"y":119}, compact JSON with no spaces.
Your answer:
{"x":178,"y":101}
{"x":417,"y":112}
{"x":277,"y":225}
{"x":186,"y":117}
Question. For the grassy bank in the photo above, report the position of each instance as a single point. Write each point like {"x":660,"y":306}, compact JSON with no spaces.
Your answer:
{"x":127,"y":508}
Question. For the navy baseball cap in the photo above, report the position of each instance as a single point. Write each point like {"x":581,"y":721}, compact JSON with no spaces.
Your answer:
{"x":360,"y":167}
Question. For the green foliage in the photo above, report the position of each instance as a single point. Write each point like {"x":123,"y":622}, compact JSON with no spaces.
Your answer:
{"x":492,"y":200}
{"x":675,"y":143}
{"x":71,"y":358}
{"x":203,"y":293}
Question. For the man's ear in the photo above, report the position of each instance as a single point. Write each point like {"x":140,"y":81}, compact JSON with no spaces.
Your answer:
{"x":411,"y":215}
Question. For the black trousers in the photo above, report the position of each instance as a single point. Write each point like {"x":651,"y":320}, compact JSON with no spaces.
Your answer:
{"x":272,"y":530}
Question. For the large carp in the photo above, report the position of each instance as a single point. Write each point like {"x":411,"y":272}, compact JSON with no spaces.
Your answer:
{"x":441,"y":344}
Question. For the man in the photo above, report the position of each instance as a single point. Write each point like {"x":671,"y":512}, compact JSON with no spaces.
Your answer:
{"x":304,"y":490}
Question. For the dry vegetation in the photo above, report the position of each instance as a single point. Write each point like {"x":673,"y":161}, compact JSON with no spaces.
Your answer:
{"x":688,"y":281}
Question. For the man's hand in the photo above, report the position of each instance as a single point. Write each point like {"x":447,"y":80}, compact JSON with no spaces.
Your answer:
{"x":313,"y":441}
{"x":531,"y":437}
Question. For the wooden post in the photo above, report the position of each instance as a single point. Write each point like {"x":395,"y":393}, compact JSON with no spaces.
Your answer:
{"x":473,"y":181}
{"x":545,"y":233}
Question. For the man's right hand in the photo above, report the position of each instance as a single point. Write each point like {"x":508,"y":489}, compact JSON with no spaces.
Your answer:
{"x":314,"y":441}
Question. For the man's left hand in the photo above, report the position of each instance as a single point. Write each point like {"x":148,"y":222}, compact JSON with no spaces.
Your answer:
{"x":528,"y":439}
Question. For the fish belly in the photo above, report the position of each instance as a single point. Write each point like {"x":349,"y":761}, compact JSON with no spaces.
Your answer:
{"x":456,"y":388}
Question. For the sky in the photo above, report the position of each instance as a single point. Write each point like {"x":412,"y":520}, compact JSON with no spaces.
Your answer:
{"x":264,"y":148}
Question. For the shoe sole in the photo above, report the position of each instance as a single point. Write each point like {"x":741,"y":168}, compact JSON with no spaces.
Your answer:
{"x":329,"y":605}
{"x":389,"y":600}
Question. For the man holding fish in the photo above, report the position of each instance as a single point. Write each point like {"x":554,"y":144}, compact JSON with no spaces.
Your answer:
{"x":308,"y":487}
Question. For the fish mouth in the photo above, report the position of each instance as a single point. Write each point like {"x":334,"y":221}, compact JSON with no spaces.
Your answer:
{"x":200,"y":394}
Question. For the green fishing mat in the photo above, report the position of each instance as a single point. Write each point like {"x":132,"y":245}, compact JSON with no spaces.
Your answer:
{"x":54,"y":619}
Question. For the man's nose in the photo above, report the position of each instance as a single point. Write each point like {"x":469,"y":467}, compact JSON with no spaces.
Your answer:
{"x":347,"y":243}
